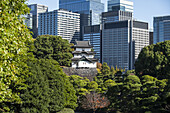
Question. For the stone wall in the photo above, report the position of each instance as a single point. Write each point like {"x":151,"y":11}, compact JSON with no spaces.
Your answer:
{"x":89,"y":73}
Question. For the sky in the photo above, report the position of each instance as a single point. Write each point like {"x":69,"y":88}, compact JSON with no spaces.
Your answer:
{"x":144,"y":10}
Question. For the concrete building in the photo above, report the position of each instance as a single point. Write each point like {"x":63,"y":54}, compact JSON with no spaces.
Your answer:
{"x":115,"y":16}
{"x":93,"y":34}
{"x":35,"y":10}
{"x":90,"y":11}
{"x":122,"y":42}
{"x":122,"y":5}
{"x":161,"y":29}
{"x":60,"y":22}
{"x":83,"y":55}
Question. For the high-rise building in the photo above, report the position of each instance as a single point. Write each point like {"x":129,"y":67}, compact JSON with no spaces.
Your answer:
{"x":161,"y":29}
{"x":28,"y":20}
{"x":123,"y":5}
{"x":114,"y":16}
{"x":150,"y":37}
{"x":122,"y":42}
{"x":93,"y":34}
{"x":60,"y":22}
{"x":90,"y":10}
{"x":35,"y":10}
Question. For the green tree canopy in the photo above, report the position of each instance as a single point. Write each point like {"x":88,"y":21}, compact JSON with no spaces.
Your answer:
{"x":154,"y":60}
{"x":14,"y":37}
{"x":79,"y":84}
{"x":135,"y":95}
{"x":48,"y":46}
{"x":49,"y":89}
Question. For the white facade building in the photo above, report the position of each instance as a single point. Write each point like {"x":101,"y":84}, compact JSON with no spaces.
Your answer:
{"x":60,"y":22}
{"x":83,"y":55}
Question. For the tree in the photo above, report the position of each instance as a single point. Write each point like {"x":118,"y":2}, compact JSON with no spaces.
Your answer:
{"x":101,"y":77}
{"x":13,"y":51}
{"x":54,"y":47}
{"x":154,"y":60}
{"x":94,"y":101}
{"x":123,"y":96}
{"x":137,"y":95}
{"x":79,"y":84}
{"x":151,"y":94}
{"x":49,"y":89}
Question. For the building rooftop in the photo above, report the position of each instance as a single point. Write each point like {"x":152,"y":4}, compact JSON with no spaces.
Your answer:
{"x":84,"y":58}
{"x":85,"y":44}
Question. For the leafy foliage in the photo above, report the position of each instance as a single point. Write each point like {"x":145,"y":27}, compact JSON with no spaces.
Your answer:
{"x":79,"y":84}
{"x":135,"y":95}
{"x":54,"y":47}
{"x":14,"y":37}
{"x":107,"y":77}
{"x":154,"y":60}
{"x":49,"y":89}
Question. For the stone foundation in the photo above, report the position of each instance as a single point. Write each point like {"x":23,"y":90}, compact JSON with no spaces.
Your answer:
{"x":89,"y":73}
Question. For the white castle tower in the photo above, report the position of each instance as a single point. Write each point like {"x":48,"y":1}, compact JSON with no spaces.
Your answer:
{"x":83,"y":55}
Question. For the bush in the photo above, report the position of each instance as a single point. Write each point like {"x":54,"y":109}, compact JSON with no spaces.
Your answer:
{"x":66,"y":110}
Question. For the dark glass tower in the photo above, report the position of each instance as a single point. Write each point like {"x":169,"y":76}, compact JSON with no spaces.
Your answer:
{"x":90,"y":11}
{"x":161,"y":29}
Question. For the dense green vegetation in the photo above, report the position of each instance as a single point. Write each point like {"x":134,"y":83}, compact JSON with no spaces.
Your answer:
{"x":49,"y":89}
{"x":48,"y":46}
{"x":14,"y":37}
{"x":32,"y":80}
{"x":154,"y":60}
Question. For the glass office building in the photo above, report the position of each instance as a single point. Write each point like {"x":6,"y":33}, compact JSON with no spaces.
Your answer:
{"x":122,"y":42}
{"x":93,"y":34}
{"x":161,"y":29}
{"x":35,"y":10}
{"x":90,"y":11}
{"x":115,"y":16}
{"x":123,"y":5}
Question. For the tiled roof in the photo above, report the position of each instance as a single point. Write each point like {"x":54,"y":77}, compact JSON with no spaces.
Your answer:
{"x":82,"y":58}
{"x":83,"y":44}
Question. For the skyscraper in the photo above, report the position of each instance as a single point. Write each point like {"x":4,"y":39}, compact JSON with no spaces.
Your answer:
{"x":35,"y":10}
{"x":123,"y":5}
{"x":93,"y":34}
{"x":161,"y":29}
{"x":114,"y":16}
{"x":60,"y":22}
{"x":90,"y":10}
{"x":122,"y":42}
{"x":28,"y":20}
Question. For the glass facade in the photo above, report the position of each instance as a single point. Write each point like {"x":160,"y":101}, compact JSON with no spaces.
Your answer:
{"x":122,"y":42}
{"x":161,"y":29}
{"x":92,"y":8}
{"x":123,"y":5}
{"x":93,"y":34}
{"x":35,"y":10}
{"x":90,"y":11}
{"x":115,"y":16}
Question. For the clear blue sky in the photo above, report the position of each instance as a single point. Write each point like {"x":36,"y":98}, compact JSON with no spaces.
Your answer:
{"x":144,"y":10}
